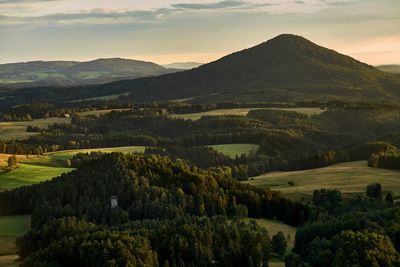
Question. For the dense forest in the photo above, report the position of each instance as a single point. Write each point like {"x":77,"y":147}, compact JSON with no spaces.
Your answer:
{"x":167,"y":212}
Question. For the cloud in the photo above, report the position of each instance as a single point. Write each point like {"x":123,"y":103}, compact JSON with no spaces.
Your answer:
{"x":23,"y":1}
{"x":233,"y":4}
{"x":106,"y":16}
{"x":217,"y":5}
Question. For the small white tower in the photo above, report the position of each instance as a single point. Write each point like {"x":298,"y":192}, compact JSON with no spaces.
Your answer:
{"x":114,"y":202}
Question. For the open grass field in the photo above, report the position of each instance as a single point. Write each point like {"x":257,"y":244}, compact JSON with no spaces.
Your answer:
{"x":101,"y":112}
{"x":349,"y":178}
{"x":273,"y":227}
{"x":242,"y":112}
{"x":233,"y":150}
{"x":17,"y":129}
{"x":12,"y":227}
{"x":67,"y":154}
{"x":26,"y":174}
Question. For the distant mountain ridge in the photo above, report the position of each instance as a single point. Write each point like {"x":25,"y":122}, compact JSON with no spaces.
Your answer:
{"x":76,"y":73}
{"x":390,"y":68}
{"x":183,"y":65}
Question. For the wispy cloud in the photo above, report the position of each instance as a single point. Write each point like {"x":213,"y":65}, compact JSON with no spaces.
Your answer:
{"x":219,"y":5}
{"x":23,"y":1}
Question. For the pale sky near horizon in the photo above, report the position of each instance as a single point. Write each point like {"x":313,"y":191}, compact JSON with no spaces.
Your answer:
{"x":192,"y":30}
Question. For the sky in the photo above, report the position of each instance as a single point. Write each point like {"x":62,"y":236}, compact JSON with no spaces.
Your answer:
{"x":192,"y":30}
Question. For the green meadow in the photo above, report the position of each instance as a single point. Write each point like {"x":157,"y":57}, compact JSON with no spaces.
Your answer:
{"x":233,"y":150}
{"x":243,"y":112}
{"x":349,"y":178}
{"x":26,"y":174}
{"x":17,"y":129}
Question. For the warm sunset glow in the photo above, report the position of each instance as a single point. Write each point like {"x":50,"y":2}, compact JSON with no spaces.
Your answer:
{"x":192,"y":30}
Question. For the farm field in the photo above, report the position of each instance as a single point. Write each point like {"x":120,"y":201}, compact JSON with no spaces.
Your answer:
{"x":243,"y":112}
{"x":273,"y":227}
{"x":101,"y":112}
{"x":12,"y":227}
{"x":349,"y":178}
{"x":67,"y":154}
{"x":233,"y":150}
{"x":26,"y":174}
{"x":17,"y":129}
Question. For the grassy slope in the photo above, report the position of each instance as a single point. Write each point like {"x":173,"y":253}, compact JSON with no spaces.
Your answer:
{"x":101,"y":112}
{"x":12,"y":227}
{"x":233,"y":150}
{"x":242,"y":112}
{"x":351,"y":177}
{"x":27,"y":174}
{"x":67,"y":154}
{"x":274,"y":227}
{"x":17,"y":129}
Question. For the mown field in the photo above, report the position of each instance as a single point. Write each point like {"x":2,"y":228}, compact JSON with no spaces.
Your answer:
{"x":11,"y":227}
{"x":243,"y":112}
{"x":101,"y":112}
{"x":17,"y":129}
{"x":67,"y":154}
{"x":349,"y":178}
{"x":26,"y":174}
{"x":233,"y":150}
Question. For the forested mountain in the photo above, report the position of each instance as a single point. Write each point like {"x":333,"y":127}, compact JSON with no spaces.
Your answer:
{"x":76,"y":73}
{"x":285,"y":67}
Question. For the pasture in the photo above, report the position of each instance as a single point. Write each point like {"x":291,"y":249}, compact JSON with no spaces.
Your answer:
{"x":17,"y":129}
{"x":243,"y":112}
{"x":64,"y":155}
{"x":273,"y":227}
{"x":101,"y":112}
{"x":233,"y":150}
{"x":349,"y":178}
{"x":12,"y":227}
{"x":26,"y":174}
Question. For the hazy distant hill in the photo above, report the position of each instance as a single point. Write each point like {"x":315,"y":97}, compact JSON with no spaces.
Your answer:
{"x":390,"y":68}
{"x":183,"y":65}
{"x":75,"y":73}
